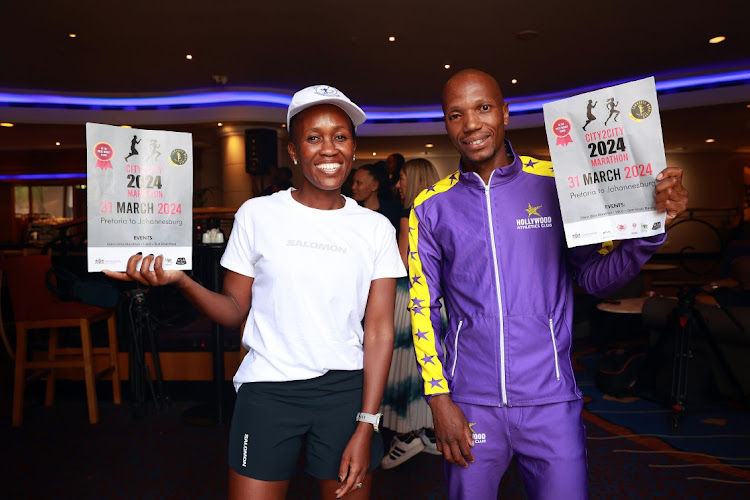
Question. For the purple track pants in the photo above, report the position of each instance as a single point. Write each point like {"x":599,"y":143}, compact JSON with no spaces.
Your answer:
{"x":548,"y":441}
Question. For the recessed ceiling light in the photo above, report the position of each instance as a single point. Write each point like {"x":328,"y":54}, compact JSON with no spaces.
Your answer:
{"x":429,"y":145}
{"x":391,"y":38}
{"x":283,"y":125}
{"x":219,"y":124}
{"x":126,"y":126}
{"x":72,"y":35}
{"x":374,"y":153}
{"x":717,"y":39}
{"x":710,"y":140}
{"x":189,"y":57}
{"x":6,"y":124}
{"x":514,"y":81}
{"x":57,"y":143}
{"x":527,"y":35}
{"x":447,"y":66}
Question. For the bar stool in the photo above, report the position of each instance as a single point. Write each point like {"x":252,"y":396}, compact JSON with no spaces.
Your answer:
{"x":35,"y":307}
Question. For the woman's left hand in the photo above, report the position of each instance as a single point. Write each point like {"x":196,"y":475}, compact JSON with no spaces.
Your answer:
{"x":356,"y":460}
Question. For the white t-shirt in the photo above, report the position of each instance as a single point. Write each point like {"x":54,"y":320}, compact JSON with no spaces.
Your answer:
{"x":312,"y":271}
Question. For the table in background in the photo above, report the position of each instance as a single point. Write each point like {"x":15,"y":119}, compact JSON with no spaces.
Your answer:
{"x":617,"y":320}
{"x":648,"y":270}
{"x":623,"y":306}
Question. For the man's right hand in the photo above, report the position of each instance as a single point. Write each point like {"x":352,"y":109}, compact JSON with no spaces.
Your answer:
{"x":454,"y":439}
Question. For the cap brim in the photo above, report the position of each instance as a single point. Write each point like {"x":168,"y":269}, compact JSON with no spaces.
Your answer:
{"x":354,"y":112}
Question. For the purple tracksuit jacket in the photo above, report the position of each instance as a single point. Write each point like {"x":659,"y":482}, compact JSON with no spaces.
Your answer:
{"x":496,"y":255}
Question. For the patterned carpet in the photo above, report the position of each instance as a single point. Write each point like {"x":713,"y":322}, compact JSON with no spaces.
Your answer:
{"x":633,"y":452}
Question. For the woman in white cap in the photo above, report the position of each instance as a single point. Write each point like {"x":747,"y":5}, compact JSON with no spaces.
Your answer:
{"x":313,"y":264}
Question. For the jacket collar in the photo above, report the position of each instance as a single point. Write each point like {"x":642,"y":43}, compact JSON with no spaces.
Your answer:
{"x":499,"y":176}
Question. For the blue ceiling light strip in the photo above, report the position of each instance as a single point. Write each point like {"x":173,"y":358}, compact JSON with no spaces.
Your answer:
{"x":210,"y":98}
{"x":403,"y":116}
{"x":531,"y":104}
{"x":534,"y":104}
{"x":40,"y":177}
{"x":699,"y":82}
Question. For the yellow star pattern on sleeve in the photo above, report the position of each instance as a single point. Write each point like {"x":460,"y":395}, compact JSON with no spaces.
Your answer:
{"x":424,"y":335}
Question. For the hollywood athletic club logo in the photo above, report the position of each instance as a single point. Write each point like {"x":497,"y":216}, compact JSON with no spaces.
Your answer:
{"x":534,"y":218}
{"x":478,"y":437}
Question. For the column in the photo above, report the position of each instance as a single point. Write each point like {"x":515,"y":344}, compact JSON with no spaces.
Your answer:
{"x":236,"y":183}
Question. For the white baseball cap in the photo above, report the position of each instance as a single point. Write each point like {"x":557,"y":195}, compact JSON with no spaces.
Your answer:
{"x":324,"y":94}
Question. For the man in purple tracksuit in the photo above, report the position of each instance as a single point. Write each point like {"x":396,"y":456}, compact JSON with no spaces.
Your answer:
{"x":488,"y":241}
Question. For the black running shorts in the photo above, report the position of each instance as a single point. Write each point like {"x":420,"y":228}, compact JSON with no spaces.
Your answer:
{"x":274,"y":421}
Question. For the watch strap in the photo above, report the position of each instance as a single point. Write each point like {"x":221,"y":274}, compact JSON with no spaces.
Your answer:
{"x":370,"y":418}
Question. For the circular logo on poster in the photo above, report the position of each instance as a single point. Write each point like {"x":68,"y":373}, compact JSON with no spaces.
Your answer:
{"x":640,"y":110}
{"x":103,"y":153}
{"x":561,"y":127}
{"x":178,"y":157}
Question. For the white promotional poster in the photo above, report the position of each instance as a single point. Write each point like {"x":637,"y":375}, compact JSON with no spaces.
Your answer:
{"x":140,"y":196}
{"x":607,"y":149}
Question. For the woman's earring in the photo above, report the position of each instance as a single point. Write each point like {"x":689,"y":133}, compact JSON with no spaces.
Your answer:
{"x":354,"y":157}
{"x":295,"y":161}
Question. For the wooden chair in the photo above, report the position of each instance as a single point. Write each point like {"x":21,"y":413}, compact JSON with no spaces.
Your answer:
{"x":4,"y":336}
{"x":4,"y":254}
{"x":36,"y":307}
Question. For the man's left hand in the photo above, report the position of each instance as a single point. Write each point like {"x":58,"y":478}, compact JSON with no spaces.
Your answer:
{"x":671,"y":195}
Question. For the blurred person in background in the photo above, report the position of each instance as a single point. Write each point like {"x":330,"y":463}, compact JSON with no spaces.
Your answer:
{"x":371,"y":190}
{"x":404,"y":409}
{"x":394,"y":164}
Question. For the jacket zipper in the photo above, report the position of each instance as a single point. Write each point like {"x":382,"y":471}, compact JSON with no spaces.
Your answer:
{"x":554,"y":347}
{"x":455,"y":348}
{"x":497,"y":287}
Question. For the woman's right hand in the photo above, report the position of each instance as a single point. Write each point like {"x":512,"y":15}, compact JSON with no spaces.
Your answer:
{"x":144,"y":275}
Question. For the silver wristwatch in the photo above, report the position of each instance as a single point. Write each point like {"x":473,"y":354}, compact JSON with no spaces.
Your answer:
{"x":370,"y":419}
